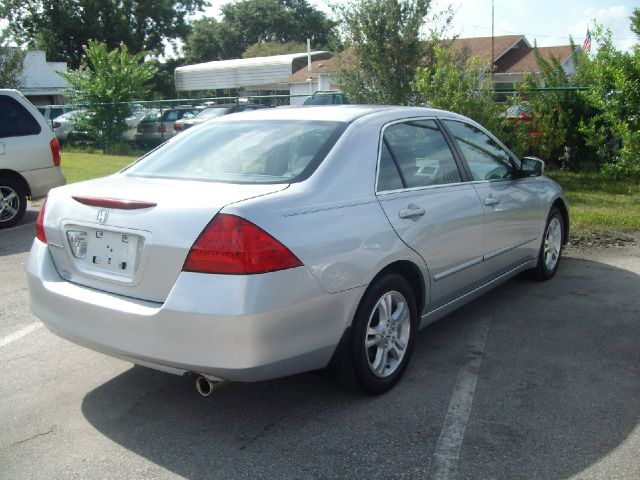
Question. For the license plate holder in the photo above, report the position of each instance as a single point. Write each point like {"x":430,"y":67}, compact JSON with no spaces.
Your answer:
{"x":111,"y":253}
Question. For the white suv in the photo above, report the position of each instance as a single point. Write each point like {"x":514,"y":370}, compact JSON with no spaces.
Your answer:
{"x":29,"y":156}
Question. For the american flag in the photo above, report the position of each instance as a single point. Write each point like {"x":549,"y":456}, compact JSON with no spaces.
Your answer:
{"x":586,"y":45}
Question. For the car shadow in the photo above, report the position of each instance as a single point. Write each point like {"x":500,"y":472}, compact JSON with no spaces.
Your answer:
{"x":18,"y":239}
{"x":557,"y":391}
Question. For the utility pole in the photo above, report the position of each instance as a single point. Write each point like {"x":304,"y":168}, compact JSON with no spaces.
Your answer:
{"x":493,"y":41}
{"x":309,"y":76}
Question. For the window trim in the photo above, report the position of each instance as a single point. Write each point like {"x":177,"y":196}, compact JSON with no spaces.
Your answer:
{"x":514,"y":160}
{"x":464,"y":176}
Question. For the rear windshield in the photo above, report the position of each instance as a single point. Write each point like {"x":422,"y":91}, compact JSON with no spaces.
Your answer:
{"x":248,"y":151}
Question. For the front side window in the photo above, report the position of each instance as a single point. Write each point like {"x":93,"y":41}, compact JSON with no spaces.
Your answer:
{"x":486,"y":159}
{"x":247,"y":151}
{"x":420,"y":152}
{"x":15,"y":120}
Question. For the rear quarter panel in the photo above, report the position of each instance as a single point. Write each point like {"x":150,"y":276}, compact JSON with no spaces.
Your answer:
{"x":333,"y":221}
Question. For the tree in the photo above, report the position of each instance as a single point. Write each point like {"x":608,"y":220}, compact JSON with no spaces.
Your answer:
{"x":104,"y":83}
{"x":613,"y":130}
{"x":211,"y":40}
{"x":163,"y":85}
{"x":459,"y":83}
{"x":62,"y":27}
{"x":273,"y":48}
{"x":11,"y":64}
{"x":383,"y":49}
{"x":249,"y":22}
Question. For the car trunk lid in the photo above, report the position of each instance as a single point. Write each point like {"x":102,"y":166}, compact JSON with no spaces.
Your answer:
{"x":131,"y":235}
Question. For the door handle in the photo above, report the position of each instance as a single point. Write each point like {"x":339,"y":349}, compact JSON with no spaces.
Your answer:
{"x":491,"y":201}
{"x":411,"y":211}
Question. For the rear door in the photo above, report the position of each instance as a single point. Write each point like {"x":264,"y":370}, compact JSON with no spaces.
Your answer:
{"x":511,"y":205}
{"x":421,"y":190}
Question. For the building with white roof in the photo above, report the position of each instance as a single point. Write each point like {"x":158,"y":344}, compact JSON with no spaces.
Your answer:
{"x":246,"y":76}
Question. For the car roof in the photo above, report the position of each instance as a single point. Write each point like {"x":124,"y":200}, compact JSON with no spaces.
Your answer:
{"x":338,"y":113}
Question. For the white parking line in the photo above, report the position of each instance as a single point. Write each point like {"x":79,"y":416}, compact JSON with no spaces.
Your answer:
{"x":32,"y":327}
{"x":445,"y":457}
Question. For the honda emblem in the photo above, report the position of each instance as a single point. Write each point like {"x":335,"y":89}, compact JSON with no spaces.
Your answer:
{"x":102,"y":216}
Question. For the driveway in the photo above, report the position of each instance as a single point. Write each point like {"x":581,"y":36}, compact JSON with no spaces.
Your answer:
{"x":533,"y":380}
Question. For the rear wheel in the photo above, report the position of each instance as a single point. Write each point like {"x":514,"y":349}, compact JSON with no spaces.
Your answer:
{"x":384,"y":329}
{"x":551,"y":248}
{"x":13,"y":202}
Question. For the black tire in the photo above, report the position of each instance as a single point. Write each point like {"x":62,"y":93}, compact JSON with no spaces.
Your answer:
{"x":547,"y":267}
{"x":360,"y":369}
{"x":13,"y":202}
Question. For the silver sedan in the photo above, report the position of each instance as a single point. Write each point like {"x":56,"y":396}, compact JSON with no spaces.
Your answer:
{"x":280,"y":241}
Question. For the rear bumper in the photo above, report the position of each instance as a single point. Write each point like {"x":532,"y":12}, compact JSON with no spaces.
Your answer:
{"x":42,"y":180}
{"x":237,"y":328}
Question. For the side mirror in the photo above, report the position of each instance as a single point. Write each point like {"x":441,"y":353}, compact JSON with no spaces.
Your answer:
{"x":531,"y":167}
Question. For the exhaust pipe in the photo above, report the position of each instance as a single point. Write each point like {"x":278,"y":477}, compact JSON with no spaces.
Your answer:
{"x":206,"y":387}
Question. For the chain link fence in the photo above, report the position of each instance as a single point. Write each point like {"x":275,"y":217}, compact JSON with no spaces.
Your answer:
{"x":142,"y":125}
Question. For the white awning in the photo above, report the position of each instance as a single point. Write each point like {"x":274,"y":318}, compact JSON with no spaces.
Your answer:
{"x":242,"y":72}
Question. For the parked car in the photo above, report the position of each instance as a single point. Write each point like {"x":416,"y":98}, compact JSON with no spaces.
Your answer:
{"x":213,"y":112}
{"x":69,"y":126}
{"x":29,"y":156}
{"x":65,"y":123}
{"x":50,"y":112}
{"x":329,"y":97}
{"x":286,"y":240}
{"x":155,"y":128}
{"x":520,"y":115}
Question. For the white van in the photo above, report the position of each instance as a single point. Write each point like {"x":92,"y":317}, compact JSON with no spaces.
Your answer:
{"x":29,"y":156}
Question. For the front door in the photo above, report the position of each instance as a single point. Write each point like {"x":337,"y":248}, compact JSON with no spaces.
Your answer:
{"x":421,"y":191}
{"x":511,"y":204}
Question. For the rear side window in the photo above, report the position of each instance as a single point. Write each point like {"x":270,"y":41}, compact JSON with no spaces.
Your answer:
{"x":15,"y":120}
{"x":420,"y":151}
{"x":248,"y":151}
{"x":56,"y":112}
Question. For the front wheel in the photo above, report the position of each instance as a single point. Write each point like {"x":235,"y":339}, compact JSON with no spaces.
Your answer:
{"x":384,"y":330}
{"x":551,"y":248}
{"x":13,"y":202}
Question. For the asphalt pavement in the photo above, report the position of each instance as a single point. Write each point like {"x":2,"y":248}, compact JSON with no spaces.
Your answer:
{"x":532,"y":381}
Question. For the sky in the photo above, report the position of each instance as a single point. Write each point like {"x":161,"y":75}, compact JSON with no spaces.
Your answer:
{"x":547,"y":22}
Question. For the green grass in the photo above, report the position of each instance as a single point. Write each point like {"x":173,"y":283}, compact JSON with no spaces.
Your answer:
{"x":597,"y":203}
{"x":79,"y":166}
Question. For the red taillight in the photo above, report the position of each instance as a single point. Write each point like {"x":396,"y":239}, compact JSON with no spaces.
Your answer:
{"x":233,"y":245}
{"x":162,"y":128}
{"x":177,"y":127}
{"x":57,"y":124}
{"x":40,"y":235}
{"x":55,"y":151}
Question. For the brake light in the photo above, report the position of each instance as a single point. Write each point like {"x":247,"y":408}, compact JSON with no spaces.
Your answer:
{"x":40,"y":235}
{"x":162,"y":128}
{"x":235,"y":246}
{"x":113,"y":203}
{"x":55,"y":151}
{"x":177,"y":127}
{"x":56,"y":125}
